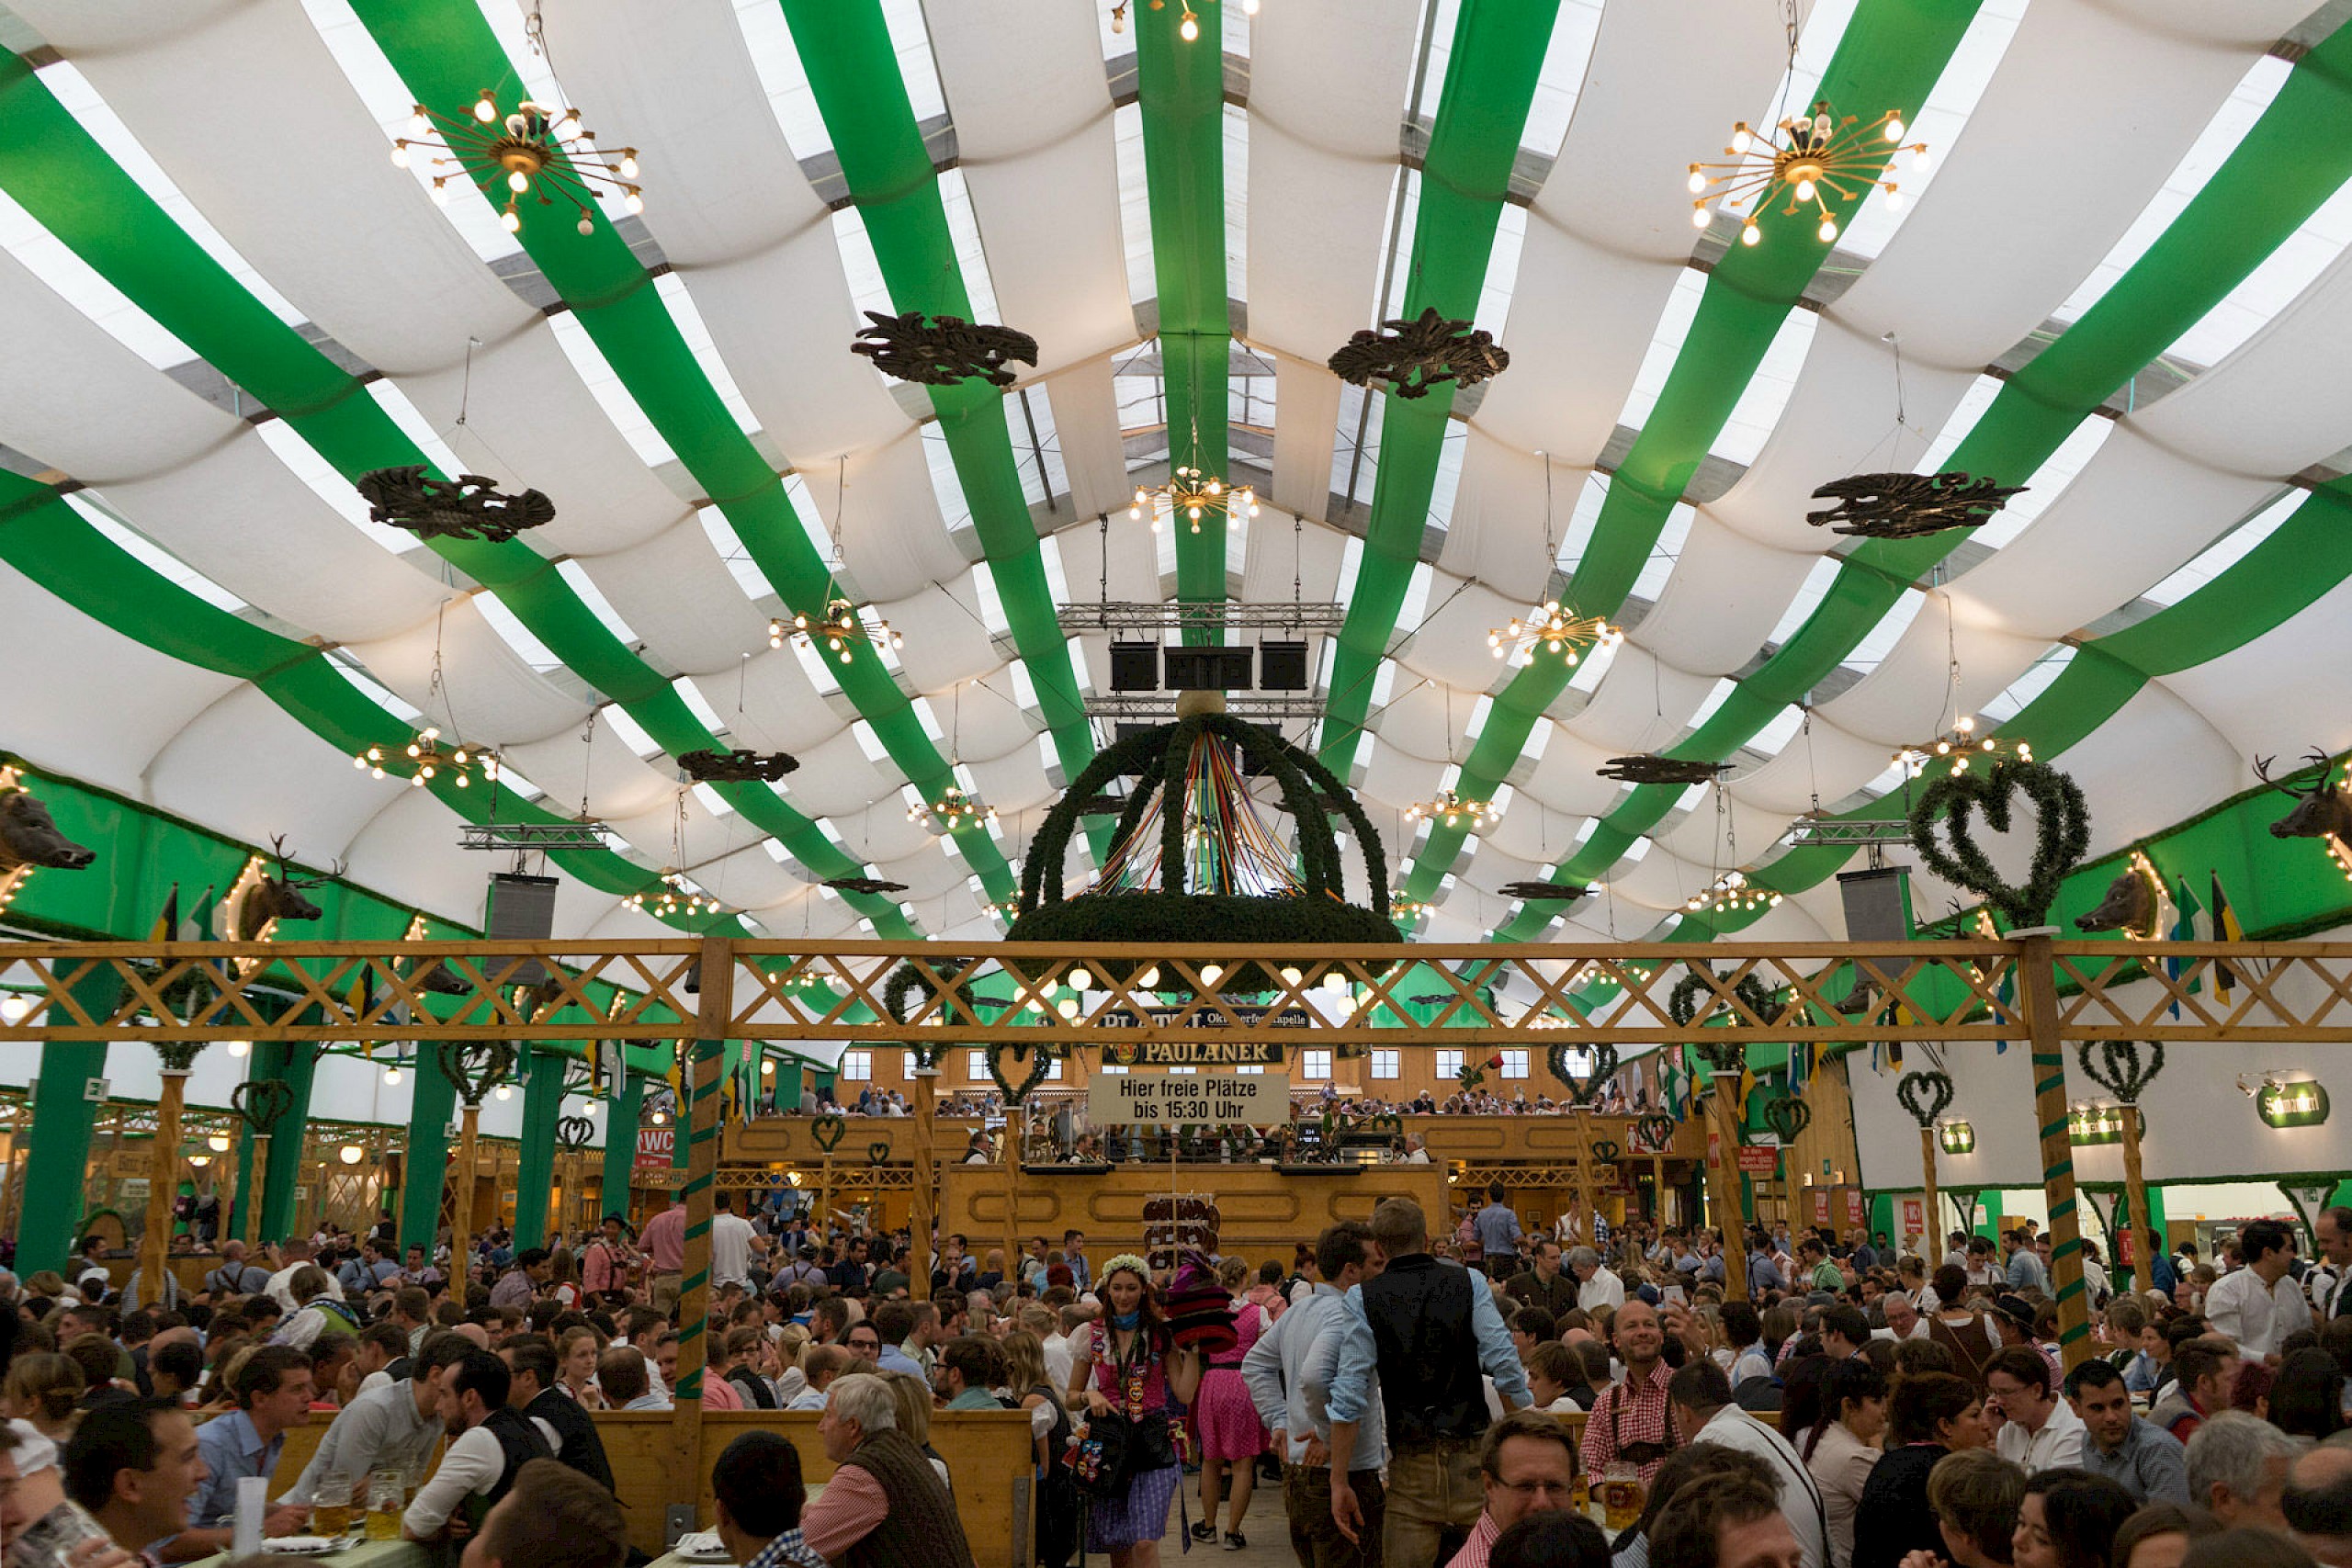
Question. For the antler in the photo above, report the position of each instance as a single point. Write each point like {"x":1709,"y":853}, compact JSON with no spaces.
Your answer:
{"x":2323,"y":762}
{"x":331,"y":874}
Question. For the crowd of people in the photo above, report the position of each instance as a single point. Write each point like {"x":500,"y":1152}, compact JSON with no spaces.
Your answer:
{"x":1861,"y":1406}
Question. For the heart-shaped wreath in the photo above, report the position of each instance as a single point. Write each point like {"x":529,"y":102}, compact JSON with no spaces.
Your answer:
{"x":1682,"y":1007}
{"x":1386,"y":1122}
{"x":2119,"y":1067}
{"x":1926,"y":1095}
{"x":877,"y":1151}
{"x":1605,"y":1151}
{"x":826,"y":1132}
{"x":572,"y":1133}
{"x":1654,"y":1130}
{"x":2063,"y":833}
{"x":1037,"y":1054}
{"x":476,"y":1066}
{"x":932,"y":977}
{"x":1788,"y":1117}
{"x":1584,"y":1090}
{"x":261,"y":1103}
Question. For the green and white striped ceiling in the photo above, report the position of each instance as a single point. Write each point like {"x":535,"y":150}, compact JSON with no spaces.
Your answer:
{"x":2122,"y":283}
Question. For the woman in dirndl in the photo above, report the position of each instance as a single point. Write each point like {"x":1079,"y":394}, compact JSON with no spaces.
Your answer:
{"x":1225,"y":1422}
{"x":1128,"y":1365}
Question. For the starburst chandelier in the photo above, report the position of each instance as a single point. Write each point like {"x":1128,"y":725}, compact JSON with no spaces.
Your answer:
{"x":953,"y":810}
{"x":532,"y":151}
{"x":427,"y":759}
{"x":1453,"y":810}
{"x":1403,"y":907}
{"x":1551,"y":626}
{"x":1961,"y":745}
{"x":841,"y":628}
{"x":674,"y":896}
{"x":1191,"y":492}
{"x":1732,"y":894}
{"x":1813,"y":159}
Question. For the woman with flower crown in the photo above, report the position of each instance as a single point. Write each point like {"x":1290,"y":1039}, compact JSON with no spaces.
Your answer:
{"x":1128,"y":1366}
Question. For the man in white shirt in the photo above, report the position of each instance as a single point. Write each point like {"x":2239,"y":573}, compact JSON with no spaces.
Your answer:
{"x":2039,"y":1430}
{"x":2330,"y":1300}
{"x":296,"y":1253}
{"x":1597,"y":1286}
{"x":732,"y":1239}
{"x":1903,"y":1319}
{"x":489,"y":1443}
{"x":2258,"y":1305}
{"x":386,"y":1428}
{"x":1700,"y":1396}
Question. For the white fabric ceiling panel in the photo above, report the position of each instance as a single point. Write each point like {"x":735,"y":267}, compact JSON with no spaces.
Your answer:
{"x":494,"y":698}
{"x":1135,"y":559}
{"x":615,"y":782}
{"x":309,"y":791}
{"x":1277,"y":556}
{"x":769,"y":704}
{"x":947,"y":643}
{"x":1495,"y":532}
{"x":675,"y":591}
{"x":1041,"y":167}
{"x":1306,"y":432}
{"x":1660,"y":882}
{"x":893,"y":540}
{"x":240,"y":517}
{"x":1568,"y":781}
{"x":883,"y":834}
{"x":1834,"y":762}
{"x":1724,"y":597}
{"x":2281,"y":693}
{"x":2277,"y":404}
{"x":956,"y":915}
{"x":2156,"y":763}
{"x":1086,"y":428}
{"x":1840,"y":420}
{"x":1418,"y":720}
{"x":364,"y":254}
{"x":1910,"y":695}
{"x":77,"y":399}
{"x":89,"y":668}
{"x":809,"y":911}
{"x":1399,"y":777}
{"x":1451,"y":646}
{"x":1014,"y":782}
{"x":1698,"y":834}
{"x":1641,"y":705}
{"x":992,"y":723}
{"x":1575,"y":363}
{"x":749,"y":879}
{"x":678,"y":84}
{"x":928,"y":872}
{"x":662,"y":838}
{"x":2123,"y":135}
{"x":835,"y":780}
{"x":531,"y":422}
{"x":1531,"y":832}
{"x":1787,"y":921}
{"x":407,"y":851}
{"x":2132,"y":516}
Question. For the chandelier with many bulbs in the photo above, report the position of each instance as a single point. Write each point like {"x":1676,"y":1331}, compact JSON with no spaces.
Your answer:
{"x":1453,"y":810}
{"x":1809,"y":157}
{"x":1193,"y":493}
{"x":954,"y":811}
{"x":1554,"y":629}
{"x":674,"y":896}
{"x":427,"y":759}
{"x":1960,"y":745}
{"x":841,"y":628}
{"x":533,"y":151}
{"x":1732,"y":894}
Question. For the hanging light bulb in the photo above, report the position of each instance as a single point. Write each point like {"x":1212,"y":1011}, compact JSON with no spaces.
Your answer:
{"x":392,"y":1075}
{"x":505,"y":1091}
{"x":1190,"y":28}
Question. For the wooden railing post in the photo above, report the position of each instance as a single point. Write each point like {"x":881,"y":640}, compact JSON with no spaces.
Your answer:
{"x":2038,"y":987}
{"x":712,"y":1019}
{"x":1931,"y":1241}
{"x":1722,"y":1184}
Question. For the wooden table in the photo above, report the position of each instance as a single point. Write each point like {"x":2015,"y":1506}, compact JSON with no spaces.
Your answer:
{"x":367,"y":1554}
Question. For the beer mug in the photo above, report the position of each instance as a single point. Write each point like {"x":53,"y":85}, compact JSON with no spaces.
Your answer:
{"x":387,"y":1496}
{"x":331,"y":1506}
{"x":1622,"y":1497}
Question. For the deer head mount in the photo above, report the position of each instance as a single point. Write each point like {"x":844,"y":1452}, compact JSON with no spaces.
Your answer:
{"x":2129,"y":905}
{"x":28,"y":837}
{"x":2320,"y":812}
{"x":278,"y":897}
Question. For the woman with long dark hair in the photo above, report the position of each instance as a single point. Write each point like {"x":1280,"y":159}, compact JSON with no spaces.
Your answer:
{"x":2068,"y":1519}
{"x":1841,"y":1446}
{"x":1127,"y":1369}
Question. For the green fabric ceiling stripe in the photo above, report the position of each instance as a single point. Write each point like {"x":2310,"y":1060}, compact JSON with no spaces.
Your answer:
{"x":1181,"y":95}
{"x":1491,"y":77}
{"x":445,"y":54}
{"x":51,"y":168}
{"x":845,"y":50}
{"x":1890,"y":56}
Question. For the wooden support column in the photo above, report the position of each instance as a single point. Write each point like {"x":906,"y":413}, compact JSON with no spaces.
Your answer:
{"x":923,"y":1080}
{"x":1930,"y":1244}
{"x":2147,"y":1245}
{"x":162,"y":1186}
{"x":462,"y":1205}
{"x":701,"y":1122}
{"x":1722,"y":1185}
{"x":1016,"y":1117}
{"x":2038,"y":989}
{"x":1576,"y":1116}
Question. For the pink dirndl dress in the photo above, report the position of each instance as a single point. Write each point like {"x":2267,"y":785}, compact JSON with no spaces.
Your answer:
{"x":1225,"y":1418}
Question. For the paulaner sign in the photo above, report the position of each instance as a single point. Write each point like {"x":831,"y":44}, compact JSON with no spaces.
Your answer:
{"x":1181,"y":1098}
{"x":1193,"y":1053}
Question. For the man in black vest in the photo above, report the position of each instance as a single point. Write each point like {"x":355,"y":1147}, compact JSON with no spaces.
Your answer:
{"x":1428,"y":1328}
{"x":559,"y":1417}
{"x":489,"y":1445}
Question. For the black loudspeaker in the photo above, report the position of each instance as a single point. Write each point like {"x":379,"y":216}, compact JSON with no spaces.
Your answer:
{"x":1282,"y":666}
{"x":1135,"y":666}
{"x":1206,"y":669}
{"x":522,"y":908}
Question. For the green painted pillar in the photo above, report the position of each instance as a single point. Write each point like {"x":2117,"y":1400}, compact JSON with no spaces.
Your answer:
{"x":428,"y":1152}
{"x":295,"y":1064}
{"x":535,"y":1177}
{"x":1988,"y":1216}
{"x":56,"y":1165}
{"x":787,"y":1082}
{"x":621,"y":1114}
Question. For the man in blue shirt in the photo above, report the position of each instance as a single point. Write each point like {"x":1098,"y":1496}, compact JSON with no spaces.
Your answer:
{"x":1287,"y":1372}
{"x":272,"y":1392}
{"x":1496,"y":1227}
{"x":1428,"y":1329}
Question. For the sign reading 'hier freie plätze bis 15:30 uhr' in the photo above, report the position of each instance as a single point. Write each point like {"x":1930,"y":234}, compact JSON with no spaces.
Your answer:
{"x":1180,"y":1098}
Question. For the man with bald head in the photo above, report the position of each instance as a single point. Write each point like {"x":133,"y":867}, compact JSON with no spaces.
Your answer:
{"x":2318,"y":1504}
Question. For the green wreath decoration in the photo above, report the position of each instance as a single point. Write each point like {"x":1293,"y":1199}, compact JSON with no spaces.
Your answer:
{"x":1787,"y":1116}
{"x":2061,"y":837}
{"x":475,"y":1067}
{"x":1586,"y":1089}
{"x":1925,"y":1094}
{"x":1040,"y":1056}
{"x":826,"y":1130}
{"x":1682,"y":1007}
{"x":1655,"y":1129}
{"x":1168,"y":916}
{"x":1605,"y":1151}
{"x":932,"y":977}
{"x":2119,"y":1067}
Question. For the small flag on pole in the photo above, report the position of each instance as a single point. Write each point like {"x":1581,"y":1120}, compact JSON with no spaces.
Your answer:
{"x":2183,"y":929}
{"x":2225,"y":929}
